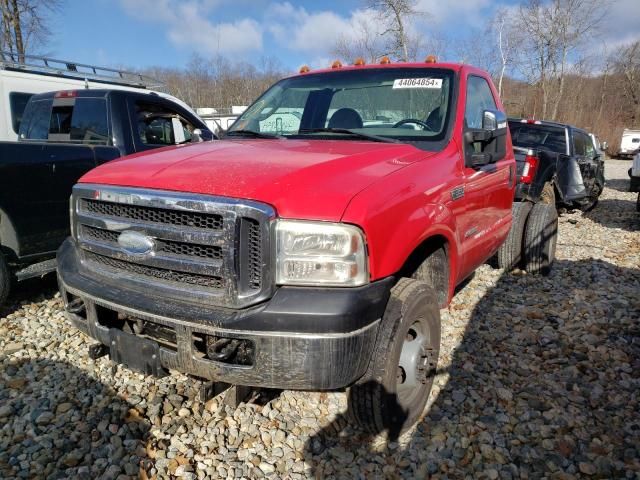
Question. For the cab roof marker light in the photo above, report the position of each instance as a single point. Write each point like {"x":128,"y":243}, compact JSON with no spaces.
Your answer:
{"x":304,"y":69}
{"x":359,"y":61}
{"x":336,"y":64}
{"x":431,"y":59}
{"x":385,"y":60}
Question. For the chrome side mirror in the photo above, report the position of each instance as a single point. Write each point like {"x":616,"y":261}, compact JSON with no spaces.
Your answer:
{"x":494,"y":121}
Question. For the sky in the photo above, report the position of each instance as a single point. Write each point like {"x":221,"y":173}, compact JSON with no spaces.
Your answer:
{"x":166,"y":33}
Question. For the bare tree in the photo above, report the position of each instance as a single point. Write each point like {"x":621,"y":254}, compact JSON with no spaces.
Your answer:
{"x":394,"y":15}
{"x":503,"y":26}
{"x":627,"y":63}
{"x":26,"y":25}
{"x":553,"y":32}
{"x":364,"y":41}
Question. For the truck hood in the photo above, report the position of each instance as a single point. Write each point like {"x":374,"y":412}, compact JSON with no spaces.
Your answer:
{"x":312,"y":179}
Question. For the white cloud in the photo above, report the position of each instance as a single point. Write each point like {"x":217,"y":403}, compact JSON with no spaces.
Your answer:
{"x":621,"y":23}
{"x":188,"y":25}
{"x":461,"y":12}
{"x":314,"y":32}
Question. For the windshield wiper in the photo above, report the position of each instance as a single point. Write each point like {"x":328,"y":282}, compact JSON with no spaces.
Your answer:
{"x":346,"y":131}
{"x":251,"y":133}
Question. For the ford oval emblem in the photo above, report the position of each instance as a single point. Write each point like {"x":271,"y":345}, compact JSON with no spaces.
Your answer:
{"x":136,"y":243}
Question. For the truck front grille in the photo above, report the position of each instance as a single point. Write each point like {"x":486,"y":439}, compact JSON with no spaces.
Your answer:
{"x":119,"y":266}
{"x":206,"y":248}
{"x":110,"y":237}
{"x":153,"y":214}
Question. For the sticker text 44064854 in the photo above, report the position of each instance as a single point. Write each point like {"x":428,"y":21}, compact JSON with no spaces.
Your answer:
{"x":417,"y":83}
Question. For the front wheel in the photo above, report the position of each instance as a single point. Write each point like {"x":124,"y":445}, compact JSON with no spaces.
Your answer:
{"x":404,"y":363}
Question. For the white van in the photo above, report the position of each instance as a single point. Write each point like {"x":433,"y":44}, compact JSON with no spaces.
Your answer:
{"x":21,"y":79}
{"x":630,"y":143}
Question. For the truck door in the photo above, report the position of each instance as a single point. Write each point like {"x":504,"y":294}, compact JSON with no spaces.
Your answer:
{"x":78,"y":126}
{"x":488,"y":189}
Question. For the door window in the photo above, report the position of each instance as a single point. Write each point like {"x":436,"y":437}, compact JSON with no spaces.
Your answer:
{"x":589,"y":150}
{"x":579,"y":144}
{"x":80,"y":120}
{"x":18,"y":101}
{"x":479,"y":99}
{"x":156,"y":125}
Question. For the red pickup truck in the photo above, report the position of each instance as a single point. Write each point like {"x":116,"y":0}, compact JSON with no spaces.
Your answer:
{"x":312,"y":247}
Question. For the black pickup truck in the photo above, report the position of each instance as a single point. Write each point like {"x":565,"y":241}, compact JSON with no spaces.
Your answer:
{"x":62,"y":136}
{"x":556,"y":164}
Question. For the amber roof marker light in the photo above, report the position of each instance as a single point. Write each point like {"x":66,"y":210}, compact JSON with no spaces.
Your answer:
{"x":359,"y":62}
{"x":431,"y":59}
{"x":336,"y":64}
{"x":304,"y":69}
{"x":385,"y":60}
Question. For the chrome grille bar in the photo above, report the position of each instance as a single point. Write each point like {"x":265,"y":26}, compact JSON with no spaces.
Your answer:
{"x":214,"y":249}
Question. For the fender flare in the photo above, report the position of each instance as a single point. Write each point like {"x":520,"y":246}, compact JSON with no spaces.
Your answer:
{"x":9,"y":243}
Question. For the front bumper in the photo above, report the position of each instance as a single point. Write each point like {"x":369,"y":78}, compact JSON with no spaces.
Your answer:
{"x":304,"y":338}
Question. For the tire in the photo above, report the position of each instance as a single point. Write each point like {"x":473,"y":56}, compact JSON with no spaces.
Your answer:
{"x":434,"y":271}
{"x":548,"y":194}
{"x":510,"y":252}
{"x":638,"y":203}
{"x":395,"y":396}
{"x":540,"y":238}
{"x":5,"y":280}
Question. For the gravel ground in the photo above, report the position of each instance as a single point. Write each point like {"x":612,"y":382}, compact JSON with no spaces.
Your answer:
{"x":538,"y":378}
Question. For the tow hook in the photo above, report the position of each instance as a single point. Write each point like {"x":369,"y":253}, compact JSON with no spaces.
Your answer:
{"x":221,"y":349}
{"x":76,"y":306}
{"x":97,"y":350}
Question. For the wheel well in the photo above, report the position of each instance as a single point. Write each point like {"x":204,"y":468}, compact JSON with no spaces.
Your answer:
{"x":429,"y":262}
{"x":8,"y":236}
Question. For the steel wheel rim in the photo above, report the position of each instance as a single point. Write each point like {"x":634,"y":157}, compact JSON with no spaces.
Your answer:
{"x":415,"y":363}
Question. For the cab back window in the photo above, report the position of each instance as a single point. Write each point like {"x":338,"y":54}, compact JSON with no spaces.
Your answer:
{"x":73,"y":120}
{"x":35,"y":121}
{"x":543,"y":137}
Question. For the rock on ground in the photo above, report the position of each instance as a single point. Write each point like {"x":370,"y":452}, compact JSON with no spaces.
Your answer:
{"x":539,"y":377}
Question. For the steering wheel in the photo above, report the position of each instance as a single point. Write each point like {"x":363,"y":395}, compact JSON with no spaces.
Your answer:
{"x":424,"y":125}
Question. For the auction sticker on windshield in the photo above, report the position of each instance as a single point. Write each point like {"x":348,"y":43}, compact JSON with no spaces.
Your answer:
{"x":417,"y":83}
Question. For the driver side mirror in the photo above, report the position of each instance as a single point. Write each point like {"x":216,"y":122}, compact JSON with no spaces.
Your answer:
{"x":487,"y":144}
{"x":604,"y":146}
{"x":494,"y":121}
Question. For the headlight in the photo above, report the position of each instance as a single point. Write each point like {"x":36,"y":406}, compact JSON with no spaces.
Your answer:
{"x":320,"y":253}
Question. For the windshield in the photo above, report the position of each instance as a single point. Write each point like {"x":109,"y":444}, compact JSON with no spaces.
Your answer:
{"x":542,"y":137}
{"x":405,"y":104}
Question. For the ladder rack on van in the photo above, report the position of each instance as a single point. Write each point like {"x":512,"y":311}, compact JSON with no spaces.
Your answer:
{"x":64,"y":68}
